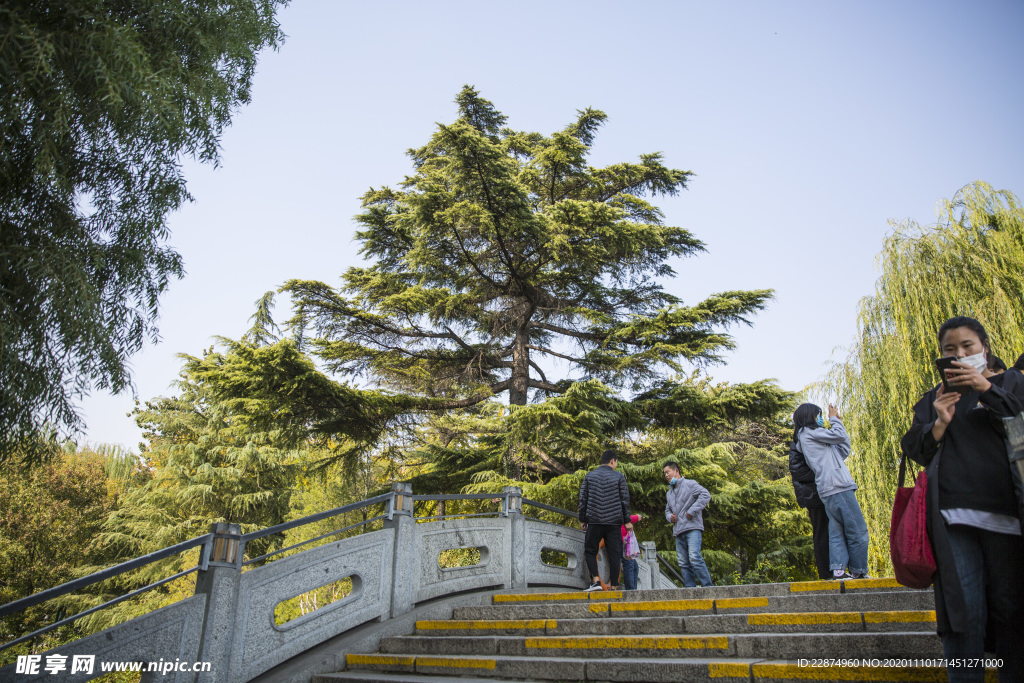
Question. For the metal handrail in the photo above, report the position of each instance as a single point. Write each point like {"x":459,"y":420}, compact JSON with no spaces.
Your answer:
{"x":270,"y":531}
{"x":671,"y":568}
{"x":102,"y":575}
{"x":312,"y":540}
{"x":549,"y":508}
{"x":462,"y":496}
{"x":97,"y":608}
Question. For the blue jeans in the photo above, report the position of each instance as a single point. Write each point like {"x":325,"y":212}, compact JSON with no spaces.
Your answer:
{"x":847,"y":533}
{"x":630,"y":573}
{"x":691,"y":564}
{"x":990,"y":568}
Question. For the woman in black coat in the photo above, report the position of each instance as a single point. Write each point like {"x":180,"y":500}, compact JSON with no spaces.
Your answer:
{"x":974,"y":506}
{"x":807,"y":497}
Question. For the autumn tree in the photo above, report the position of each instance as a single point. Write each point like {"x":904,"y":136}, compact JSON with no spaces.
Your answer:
{"x":50,"y":516}
{"x":507,"y":249}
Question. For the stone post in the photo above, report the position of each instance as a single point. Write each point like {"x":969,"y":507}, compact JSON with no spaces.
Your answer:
{"x":220,"y":583}
{"x":512,"y":507}
{"x":649,"y":554}
{"x":404,"y":556}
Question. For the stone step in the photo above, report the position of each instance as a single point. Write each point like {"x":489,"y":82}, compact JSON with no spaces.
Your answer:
{"x":711,"y":592}
{"x":747,"y":645}
{"x":921,"y":620}
{"x":819,"y":602}
{"x":652,"y":670}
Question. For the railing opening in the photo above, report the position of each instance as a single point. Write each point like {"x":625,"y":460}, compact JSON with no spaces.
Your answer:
{"x":557,"y":558}
{"x":458,"y":558}
{"x":311,"y":601}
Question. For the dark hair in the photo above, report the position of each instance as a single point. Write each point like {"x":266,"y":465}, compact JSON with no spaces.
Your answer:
{"x":608,"y":456}
{"x":969,"y":323}
{"x":1019,"y":365}
{"x":671,"y":463}
{"x":805,"y":415}
{"x":996,"y":363}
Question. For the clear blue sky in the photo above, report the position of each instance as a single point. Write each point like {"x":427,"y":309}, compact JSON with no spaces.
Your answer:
{"x":809,"y":125}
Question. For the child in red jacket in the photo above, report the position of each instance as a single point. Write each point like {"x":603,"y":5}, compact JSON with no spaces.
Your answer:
{"x":630,"y":568}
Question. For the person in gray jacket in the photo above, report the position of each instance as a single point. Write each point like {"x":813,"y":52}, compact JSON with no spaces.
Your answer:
{"x":685,"y":502}
{"x":825,"y":451}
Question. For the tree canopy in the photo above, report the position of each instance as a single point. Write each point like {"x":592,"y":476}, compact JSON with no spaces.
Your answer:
{"x":101,"y":100}
{"x":968,"y":263}
{"x":506,"y":247}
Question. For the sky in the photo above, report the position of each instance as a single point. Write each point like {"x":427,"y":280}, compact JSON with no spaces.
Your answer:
{"x":809,"y":127}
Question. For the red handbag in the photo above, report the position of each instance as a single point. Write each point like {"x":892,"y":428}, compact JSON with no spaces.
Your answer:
{"x":909,"y":547}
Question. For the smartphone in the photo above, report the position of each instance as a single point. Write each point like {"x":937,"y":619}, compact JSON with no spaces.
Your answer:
{"x":946,"y":363}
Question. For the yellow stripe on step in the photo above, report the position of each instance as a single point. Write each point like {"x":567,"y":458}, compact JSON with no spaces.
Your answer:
{"x":803,"y":618}
{"x":729,"y":670}
{"x":899,"y":617}
{"x":599,"y":607}
{"x":737,"y":603}
{"x":804,"y":586}
{"x":630,"y":643}
{"x":537,"y":597}
{"x":455,"y":662}
{"x":660,"y":605}
{"x":479,"y":624}
{"x":606,"y":595}
{"x":385,"y":660}
{"x":868,"y":584}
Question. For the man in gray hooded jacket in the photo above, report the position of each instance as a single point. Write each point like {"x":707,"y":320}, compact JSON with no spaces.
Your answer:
{"x":685,"y":502}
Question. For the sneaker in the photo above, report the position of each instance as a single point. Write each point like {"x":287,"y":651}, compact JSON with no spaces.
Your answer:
{"x":593,"y":587}
{"x":860,"y":575}
{"x":840,"y":574}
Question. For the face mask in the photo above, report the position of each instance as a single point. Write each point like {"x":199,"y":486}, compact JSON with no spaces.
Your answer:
{"x":977,"y":361}
{"x":673,"y":482}
{"x":820,"y":421}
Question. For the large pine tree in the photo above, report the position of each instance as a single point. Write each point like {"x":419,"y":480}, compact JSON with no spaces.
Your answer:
{"x":506,"y":247}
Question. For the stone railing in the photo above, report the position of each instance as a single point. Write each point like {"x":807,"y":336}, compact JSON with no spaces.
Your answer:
{"x":230,"y":621}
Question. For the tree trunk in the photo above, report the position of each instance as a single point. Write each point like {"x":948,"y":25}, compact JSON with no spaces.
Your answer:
{"x":517,"y":393}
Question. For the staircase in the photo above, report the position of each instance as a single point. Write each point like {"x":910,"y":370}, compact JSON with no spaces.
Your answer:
{"x":879,"y":630}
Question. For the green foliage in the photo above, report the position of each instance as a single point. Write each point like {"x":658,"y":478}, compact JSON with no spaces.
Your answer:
{"x":215,"y":459}
{"x":506,"y":246}
{"x":101,"y":101}
{"x":968,"y":263}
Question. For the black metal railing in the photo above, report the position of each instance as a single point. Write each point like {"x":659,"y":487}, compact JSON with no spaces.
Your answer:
{"x":103,"y":575}
{"x":673,"y":570}
{"x":550,"y":508}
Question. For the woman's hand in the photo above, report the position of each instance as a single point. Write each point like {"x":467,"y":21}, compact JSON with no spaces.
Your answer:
{"x":833,"y":411}
{"x":963,"y":375}
{"x":945,"y":406}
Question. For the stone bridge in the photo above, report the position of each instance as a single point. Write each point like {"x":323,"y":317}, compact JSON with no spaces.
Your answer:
{"x":395,"y":575}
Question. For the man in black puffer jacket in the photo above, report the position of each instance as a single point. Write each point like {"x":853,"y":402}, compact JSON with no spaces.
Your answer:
{"x":604,"y":508}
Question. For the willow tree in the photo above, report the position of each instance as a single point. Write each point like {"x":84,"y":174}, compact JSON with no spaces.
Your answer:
{"x":506,"y":247}
{"x":969,"y":263}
